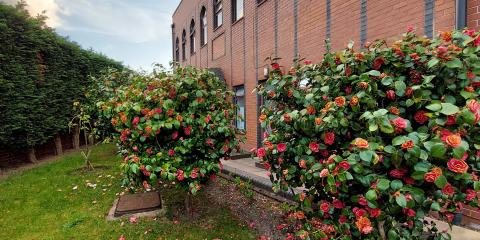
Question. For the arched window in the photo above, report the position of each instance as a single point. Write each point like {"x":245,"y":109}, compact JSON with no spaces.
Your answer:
{"x":237,"y":10}
{"x":184,"y":44}
{"x":192,"y":37}
{"x":217,"y":13}
{"x":177,"y":50}
{"x":203,"y":26}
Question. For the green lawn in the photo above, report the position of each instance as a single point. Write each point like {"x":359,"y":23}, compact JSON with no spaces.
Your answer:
{"x":41,"y":203}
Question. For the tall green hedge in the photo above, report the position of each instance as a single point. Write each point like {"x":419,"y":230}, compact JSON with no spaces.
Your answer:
{"x":41,"y":75}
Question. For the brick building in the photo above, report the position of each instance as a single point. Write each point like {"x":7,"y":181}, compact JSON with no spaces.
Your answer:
{"x":234,"y":37}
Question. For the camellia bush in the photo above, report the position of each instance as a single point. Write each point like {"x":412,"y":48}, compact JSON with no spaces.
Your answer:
{"x":380,"y":138}
{"x":173,"y":126}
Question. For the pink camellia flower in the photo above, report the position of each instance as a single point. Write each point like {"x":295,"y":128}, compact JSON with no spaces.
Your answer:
{"x":362,"y":201}
{"x":133,"y":219}
{"x":344,"y":165}
{"x":338,"y":204}
{"x":302,"y":163}
{"x":281,"y":147}
{"x":193,"y":175}
{"x":135,"y":120}
{"x":410,"y":28}
{"x":324,"y":173}
{"x":400,"y":123}
{"x":261,"y":152}
{"x":442,"y":49}
{"x":188,"y":130}
{"x":171,"y":152}
{"x":457,"y":166}
{"x":135,"y":148}
{"x":121,"y":237}
{"x":180,"y":175}
{"x":359,"y":212}
{"x":329,"y":138}
{"x":314,"y":147}
{"x":471,"y":194}
{"x":469,"y":32}
{"x":448,"y":190}
{"x":325,"y":207}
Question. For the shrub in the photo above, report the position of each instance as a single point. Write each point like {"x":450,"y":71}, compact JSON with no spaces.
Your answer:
{"x":379,"y":138}
{"x":173,"y":126}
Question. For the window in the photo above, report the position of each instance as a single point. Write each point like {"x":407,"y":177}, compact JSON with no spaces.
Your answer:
{"x":237,"y":10}
{"x":203,"y":26}
{"x":184,"y":44}
{"x":177,"y":50}
{"x":239,"y":100}
{"x":217,"y":13}
{"x":192,"y":37}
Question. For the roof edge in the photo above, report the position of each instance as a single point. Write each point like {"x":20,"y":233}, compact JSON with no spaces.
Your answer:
{"x":176,"y":9}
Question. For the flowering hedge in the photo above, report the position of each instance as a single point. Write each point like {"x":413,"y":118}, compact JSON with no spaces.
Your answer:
{"x":379,"y":138}
{"x":173,"y":126}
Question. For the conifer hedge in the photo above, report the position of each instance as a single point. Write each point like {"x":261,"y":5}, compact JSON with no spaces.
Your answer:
{"x":41,"y":75}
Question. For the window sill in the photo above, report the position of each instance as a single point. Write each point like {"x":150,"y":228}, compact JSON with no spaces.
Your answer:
{"x":203,"y":45}
{"x":236,"y":21}
{"x":218,"y":27}
{"x":260,"y":3}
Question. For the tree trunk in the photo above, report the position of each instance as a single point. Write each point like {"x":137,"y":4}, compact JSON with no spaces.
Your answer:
{"x":76,"y":137}
{"x":58,"y":144}
{"x":381,"y":230}
{"x":31,"y":155}
{"x":188,"y":204}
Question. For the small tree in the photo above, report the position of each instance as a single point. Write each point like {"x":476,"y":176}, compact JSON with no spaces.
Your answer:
{"x":174,"y":126}
{"x":82,"y":122}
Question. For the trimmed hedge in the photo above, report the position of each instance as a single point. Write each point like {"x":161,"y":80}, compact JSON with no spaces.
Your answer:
{"x":41,"y":75}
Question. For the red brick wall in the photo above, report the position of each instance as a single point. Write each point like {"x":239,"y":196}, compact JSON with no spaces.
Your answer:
{"x":386,"y":19}
{"x":473,"y":14}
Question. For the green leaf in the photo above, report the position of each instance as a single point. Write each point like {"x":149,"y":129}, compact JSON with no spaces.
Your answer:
{"x":476,"y":185}
{"x":401,"y":200}
{"x":392,"y":235}
{"x":386,"y":81}
{"x":434,"y":107}
{"x":400,"y":88}
{"x":468,"y":117}
{"x":366,"y":155}
{"x":441,"y":181}
{"x":396,"y":184}
{"x":371,"y":195}
{"x":433,"y":62}
{"x":449,"y":109}
{"x":383,"y":184}
{"x":374,"y":73}
{"x":435,"y":206}
{"x":438,"y":150}
{"x":454,"y":63}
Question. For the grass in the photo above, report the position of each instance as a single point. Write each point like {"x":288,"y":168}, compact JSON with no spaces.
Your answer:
{"x":41,"y":203}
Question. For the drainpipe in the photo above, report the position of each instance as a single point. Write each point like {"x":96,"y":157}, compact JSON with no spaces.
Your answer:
{"x":173,"y":42}
{"x":460,"y":14}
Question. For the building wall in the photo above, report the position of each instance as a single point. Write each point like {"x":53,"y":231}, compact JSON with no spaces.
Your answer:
{"x":287,"y":28}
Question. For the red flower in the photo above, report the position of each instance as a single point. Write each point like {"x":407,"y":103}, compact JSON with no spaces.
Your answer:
{"x":469,"y":32}
{"x":398,"y":173}
{"x":261,"y":152}
{"x":275,"y":66}
{"x":362,"y":201}
{"x":329,"y":138}
{"x":408,"y":145}
{"x":409,"y":212}
{"x":302,"y":164}
{"x":410,"y":28}
{"x":136,"y":120}
{"x":158,"y":110}
{"x":451,"y":120}
{"x":171,"y":152}
{"x":359,"y":212}
{"x":409,"y":92}
{"x":374,"y":212}
{"x":448,"y":190}
{"x":457,"y":166}
{"x":340,"y":101}
{"x":420,"y":117}
{"x":378,"y":62}
{"x":471,"y":194}
{"x":188,"y":130}
{"x":391,"y":95}
{"x":442,"y":50}
{"x":281,"y":147}
{"x":310,"y":110}
{"x":454,"y":140}
{"x":345,"y":165}
{"x":307,"y":62}
{"x":361,"y":143}
{"x":342,"y":219}
{"x":314,"y":147}
{"x":433,"y":175}
{"x":174,"y":135}
{"x":208,"y":118}
{"x":325,"y":207}
{"x":338,"y":204}
{"x":400,"y":123}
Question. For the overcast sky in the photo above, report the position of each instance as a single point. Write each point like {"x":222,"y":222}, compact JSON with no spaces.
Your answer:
{"x":135,"y":32}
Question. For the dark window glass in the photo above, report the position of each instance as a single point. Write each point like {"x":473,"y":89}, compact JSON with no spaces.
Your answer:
{"x":239,"y":100}
{"x":217,"y":13}
{"x":184,"y":44}
{"x":203,"y":26}
{"x":177,"y":50}
{"x":192,"y":37}
{"x":237,"y":9}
